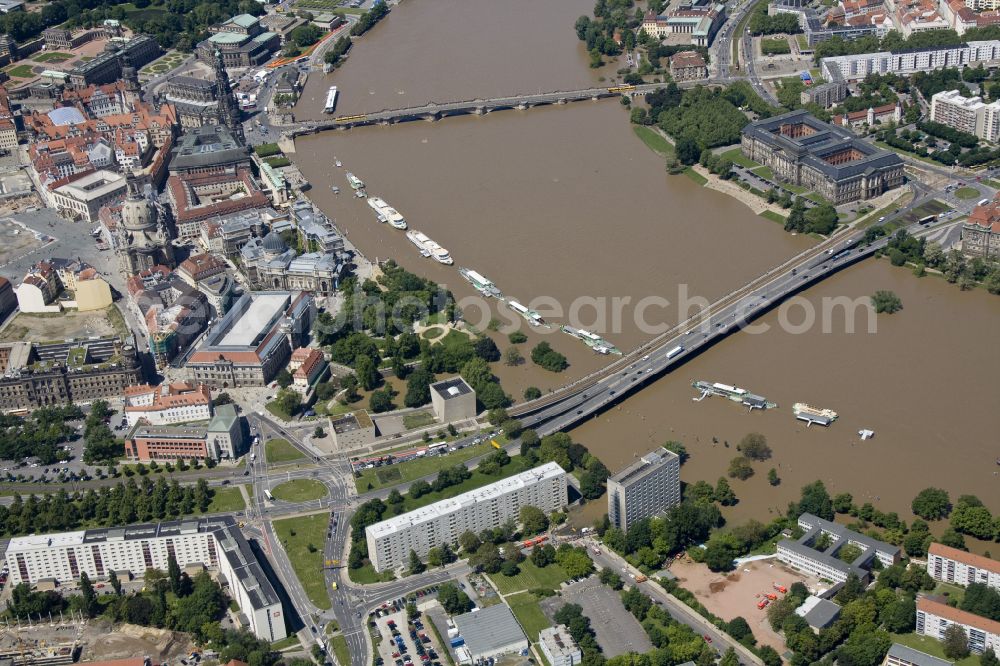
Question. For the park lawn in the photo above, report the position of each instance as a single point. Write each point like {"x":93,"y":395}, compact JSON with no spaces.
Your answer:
{"x":654,"y":141}
{"x":281,"y":450}
{"x":737,"y":156}
{"x":21,"y":71}
{"x":367,"y":575}
{"x":931,"y":646}
{"x":227,"y":500}
{"x":775,"y":46}
{"x":764,"y":172}
{"x":278,"y":411}
{"x":411,"y":470}
{"x":418,"y":420}
{"x":528,"y":613}
{"x":52,"y":56}
{"x":967,"y":193}
{"x":299,"y":490}
{"x":951,"y":591}
{"x":992,"y":183}
{"x":339,"y":645}
{"x":803,"y":42}
{"x":478,"y":479}
{"x":774,"y":217}
{"x":307,"y":562}
{"x":530,"y":577}
{"x":695,"y":176}
{"x":286,"y":642}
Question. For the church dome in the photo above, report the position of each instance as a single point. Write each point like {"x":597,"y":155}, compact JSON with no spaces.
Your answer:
{"x":137,"y":214}
{"x":274,"y":243}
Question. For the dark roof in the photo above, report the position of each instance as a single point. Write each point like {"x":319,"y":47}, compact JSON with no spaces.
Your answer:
{"x":451,"y":388}
{"x":917,"y":657}
{"x":207,"y":146}
{"x":822,"y":614}
{"x":274,"y":243}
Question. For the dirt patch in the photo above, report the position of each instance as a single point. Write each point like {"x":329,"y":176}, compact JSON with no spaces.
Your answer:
{"x":62,"y":326}
{"x":16,"y":240}
{"x":738,"y":592}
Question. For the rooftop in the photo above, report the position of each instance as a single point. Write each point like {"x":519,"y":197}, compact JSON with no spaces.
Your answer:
{"x":489,"y":629}
{"x":928,"y":605}
{"x":978,"y":561}
{"x":645,"y":465}
{"x":263,"y":310}
{"x":422,"y":515}
{"x":818,"y":612}
{"x":451,"y":388}
{"x":917,"y":657}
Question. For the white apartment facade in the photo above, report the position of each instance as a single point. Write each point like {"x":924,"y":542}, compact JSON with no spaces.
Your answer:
{"x":102,"y":553}
{"x":934,"y":617}
{"x":966,"y":114}
{"x":167,"y":404}
{"x":858,"y":66}
{"x":647,"y":487}
{"x":961,"y":568}
{"x":390,"y":541}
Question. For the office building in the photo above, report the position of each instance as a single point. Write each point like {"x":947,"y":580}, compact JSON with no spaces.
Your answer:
{"x":57,"y":373}
{"x":254,"y":340}
{"x":981,"y":231}
{"x":967,"y":114}
{"x":803,"y":554}
{"x":934,"y":617}
{"x":216,"y":543}
{"x":825,"y":94}
{"x":353,"y":430}
{"x":390,"y":541}
{"x":221,"y":438}
{"x":830,"y":160}
{"x":900,"y":655}
{"x":961,"y":568}
{"x":179,"y":402}
{"x":559,"y":647}
{"x":453,"y":400}
{"x":646,"y":488}
{"x":82,"y":195}
{"x":197,"y":197}
{"x":208,"y":149}
{"x":491,"y":632}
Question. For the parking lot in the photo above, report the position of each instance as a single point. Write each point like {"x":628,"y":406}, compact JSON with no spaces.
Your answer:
{"x":405,"y":642}
{"x":617,"y":630}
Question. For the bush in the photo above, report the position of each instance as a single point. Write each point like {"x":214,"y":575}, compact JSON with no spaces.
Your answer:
{"x":886,"y":301}
{"x":548,"y":358}
{"x":740,"y":468}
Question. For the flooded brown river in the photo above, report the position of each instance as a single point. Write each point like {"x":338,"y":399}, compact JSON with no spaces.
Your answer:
{"x":566,"y":203}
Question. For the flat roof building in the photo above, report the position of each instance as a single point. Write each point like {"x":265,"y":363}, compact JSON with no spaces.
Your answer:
{"x":177,"y":402}
{"x":352,"y":430}
{"x":453,"y":400}
{"x":934,"y":618}
{"x":390,"y":541}
{"x":818,"y":613}
{"x":957,"y":566}
{"x":491,"y":632}
{"x":802,"y":554}
{"x":805,"y":151}
{"x":647,"y":487}
{"x":559,"y":647}
{"x":900,"y":655}
{"x":214,"y":542}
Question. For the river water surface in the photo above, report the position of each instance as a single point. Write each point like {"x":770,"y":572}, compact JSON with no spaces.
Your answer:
{"x":566,"y":203}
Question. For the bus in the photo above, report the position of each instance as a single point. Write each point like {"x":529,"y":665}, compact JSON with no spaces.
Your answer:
{"x":268,"y":495}
{"x":675,"y":351}
{"x":928,"y":219}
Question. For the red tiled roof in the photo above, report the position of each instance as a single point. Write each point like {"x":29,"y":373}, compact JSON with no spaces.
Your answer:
{"x":958,"y":616}
{"x":978,"y":561}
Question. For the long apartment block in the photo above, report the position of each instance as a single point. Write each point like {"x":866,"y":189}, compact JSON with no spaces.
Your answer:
{"x":390,"y":541}
{"x":216,"y":543}
{"x":934,"y":617}
{"x":647,"y":487}
{"x":961,"y":568}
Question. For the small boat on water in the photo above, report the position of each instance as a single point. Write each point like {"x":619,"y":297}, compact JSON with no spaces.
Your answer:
{"x":355,"y":182}
{"x":734,"y":393}
{"x":337,"y":162}
{"x":811,"y":415}
{"x":335,"y":189}
{"x":592,"y":340}
{"x":530,"y":316}
{"x":481,"y":284}
{"x":387,"y":213}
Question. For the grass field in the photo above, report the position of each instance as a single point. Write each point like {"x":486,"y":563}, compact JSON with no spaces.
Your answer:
{"x":529,"y":614}
{"x":227,"y":500}
{"x":695,"y":176}
{"x":654,"y":141}
{"x":285,"y":643}
{"x":299,"y":490}
{"x":529,"y":578}
{"x":967,"y":193}
{"x":280,"y":450}
{"x":297,"y":535}
{"x":382,"y":477}
{"x":737,"y":156}
{"x":774,"y":217}
{"x":367,"y":575}
{"x":951,"y":591}
{"x":339,"y":645}
{"x":21,"y":71}
{"x":328,"y":5}
{"x":931,"y":647}
{"x":775,"y":46}
{"x":764,"y":172}
{"x":418,"y":420}
{"x":52,"y":56}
